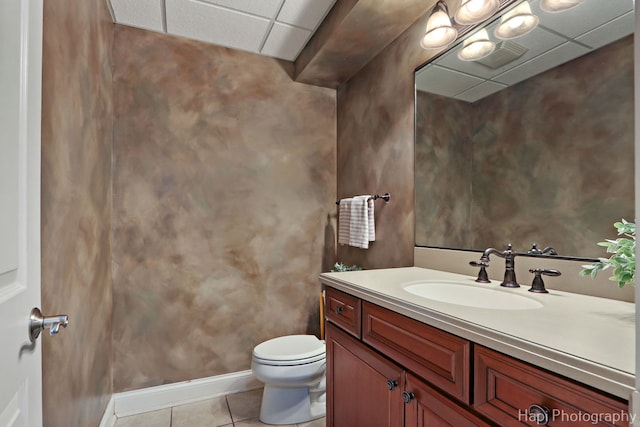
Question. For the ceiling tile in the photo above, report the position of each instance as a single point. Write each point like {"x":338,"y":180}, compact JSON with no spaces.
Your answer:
{"x":304,"y":13}
{"x":482,"y":90}
{"x":584,"y":17}
{"x":285,"y":41}
{"x":145,"y":14}
{"x":547,"y":61}
{"x":209,"y":23}
{"x":442,"y":81}
{"x":609,"y":32}
{"x":266,"y":8}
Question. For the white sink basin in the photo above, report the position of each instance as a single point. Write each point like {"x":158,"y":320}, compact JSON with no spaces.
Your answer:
{"x":460,"y":293}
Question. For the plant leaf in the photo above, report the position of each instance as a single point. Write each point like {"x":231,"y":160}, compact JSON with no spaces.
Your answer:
{"x":623,"y":258}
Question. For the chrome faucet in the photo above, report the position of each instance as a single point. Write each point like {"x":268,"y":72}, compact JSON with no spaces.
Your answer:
{"x":509,"y":264}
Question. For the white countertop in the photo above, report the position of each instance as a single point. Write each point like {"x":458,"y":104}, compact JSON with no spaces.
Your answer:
{"x":588,"y":339}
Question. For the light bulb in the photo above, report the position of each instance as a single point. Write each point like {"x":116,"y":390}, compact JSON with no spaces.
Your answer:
{"x":440,"y":33}
{"x":475,"y":11}
{"x":553,"y":6}
{"x":477,"y":47}
{"x":517,"y":22}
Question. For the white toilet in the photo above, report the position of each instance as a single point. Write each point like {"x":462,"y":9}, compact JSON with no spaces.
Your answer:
{"x":293,"y":371}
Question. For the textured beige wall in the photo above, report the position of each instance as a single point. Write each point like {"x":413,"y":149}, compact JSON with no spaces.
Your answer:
{"x":77,"y":114}
{"x":376,"y":150}
{"x":224,"y":187}
{"x":443,"y":171}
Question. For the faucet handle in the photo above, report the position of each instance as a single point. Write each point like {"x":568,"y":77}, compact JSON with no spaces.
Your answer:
{"x":483,"y":277}
{"x":537,"y":285}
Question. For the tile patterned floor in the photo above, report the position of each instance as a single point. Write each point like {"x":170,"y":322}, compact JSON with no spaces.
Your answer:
{"x":234,"y":410}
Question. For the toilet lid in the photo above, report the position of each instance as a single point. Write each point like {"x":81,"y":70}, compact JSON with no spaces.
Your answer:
{"x":290,"y":347}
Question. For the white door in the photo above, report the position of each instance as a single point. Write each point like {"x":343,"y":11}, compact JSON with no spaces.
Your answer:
{"x":20,"y":100}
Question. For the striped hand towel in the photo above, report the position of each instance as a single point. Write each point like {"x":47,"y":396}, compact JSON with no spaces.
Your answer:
{"x":356,"y":222}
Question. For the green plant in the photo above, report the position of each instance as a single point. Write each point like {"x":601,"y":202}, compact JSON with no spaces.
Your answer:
{"x":339,"y":267}
{"x":623,"y":260}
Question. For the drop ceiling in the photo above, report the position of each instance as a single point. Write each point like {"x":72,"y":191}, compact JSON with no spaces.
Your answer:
{"x":559,"y":38}
{"x":275,"y":28}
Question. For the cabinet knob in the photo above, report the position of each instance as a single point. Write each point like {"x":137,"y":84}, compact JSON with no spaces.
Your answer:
{"x":539,"y":414}
{"x":407,"y":396}
{"x":392,"y":384}
{"x":339,"y":310}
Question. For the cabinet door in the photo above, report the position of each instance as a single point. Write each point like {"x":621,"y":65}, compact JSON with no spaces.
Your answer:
{"x":429,"y":408}
{"x":363,"y":388}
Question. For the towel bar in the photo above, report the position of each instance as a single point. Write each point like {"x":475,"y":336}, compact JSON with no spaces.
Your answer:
{"x":385,"y":197}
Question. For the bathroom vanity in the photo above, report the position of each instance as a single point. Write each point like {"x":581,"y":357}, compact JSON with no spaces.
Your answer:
{"x":419,"y":347}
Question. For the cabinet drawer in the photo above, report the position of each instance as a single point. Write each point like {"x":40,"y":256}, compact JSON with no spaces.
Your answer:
{"x":506,"y":388}
{"x":344,"y":310}
{"x":437,"y":356}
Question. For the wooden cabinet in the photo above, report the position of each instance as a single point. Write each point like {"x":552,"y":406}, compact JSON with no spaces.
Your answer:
{"x":378,"y":359}
{"x":363,"y":388}
{"x":366,"y":389}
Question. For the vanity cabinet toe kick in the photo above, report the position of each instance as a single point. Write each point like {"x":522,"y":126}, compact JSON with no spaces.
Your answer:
{"x":385,"y":369}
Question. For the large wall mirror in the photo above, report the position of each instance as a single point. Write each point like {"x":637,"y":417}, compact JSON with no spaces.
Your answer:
{"x":533,"y":143}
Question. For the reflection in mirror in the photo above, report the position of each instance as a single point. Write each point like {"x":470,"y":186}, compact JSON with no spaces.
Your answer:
{"x":534,"y":142}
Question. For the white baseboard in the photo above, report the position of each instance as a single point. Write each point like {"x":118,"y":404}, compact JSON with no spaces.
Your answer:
{"x":168,"y":395}
{"x":109,"y":417}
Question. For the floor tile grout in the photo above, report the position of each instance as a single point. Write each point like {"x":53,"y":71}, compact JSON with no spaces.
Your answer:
{"x":226,"y":401}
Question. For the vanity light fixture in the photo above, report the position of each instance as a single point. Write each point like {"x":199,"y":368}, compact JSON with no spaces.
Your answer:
{"x":477,"y":46}
{"x":553,"y":6}
{"x":475,"y":11}
{"x":440,"y":33}
{"x":517,"y":22}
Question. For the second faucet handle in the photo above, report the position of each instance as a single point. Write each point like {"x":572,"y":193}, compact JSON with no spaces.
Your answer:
{"x":483,"y":277}
{"x":537,"y":285}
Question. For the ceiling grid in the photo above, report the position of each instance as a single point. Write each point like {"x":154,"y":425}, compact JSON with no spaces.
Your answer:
{"x":276,"y":28}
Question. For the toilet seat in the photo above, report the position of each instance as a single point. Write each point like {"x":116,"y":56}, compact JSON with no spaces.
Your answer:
{"x":290,"y":350}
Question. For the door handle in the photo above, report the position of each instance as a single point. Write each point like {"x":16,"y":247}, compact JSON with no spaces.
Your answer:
{"x":38,"y":323}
